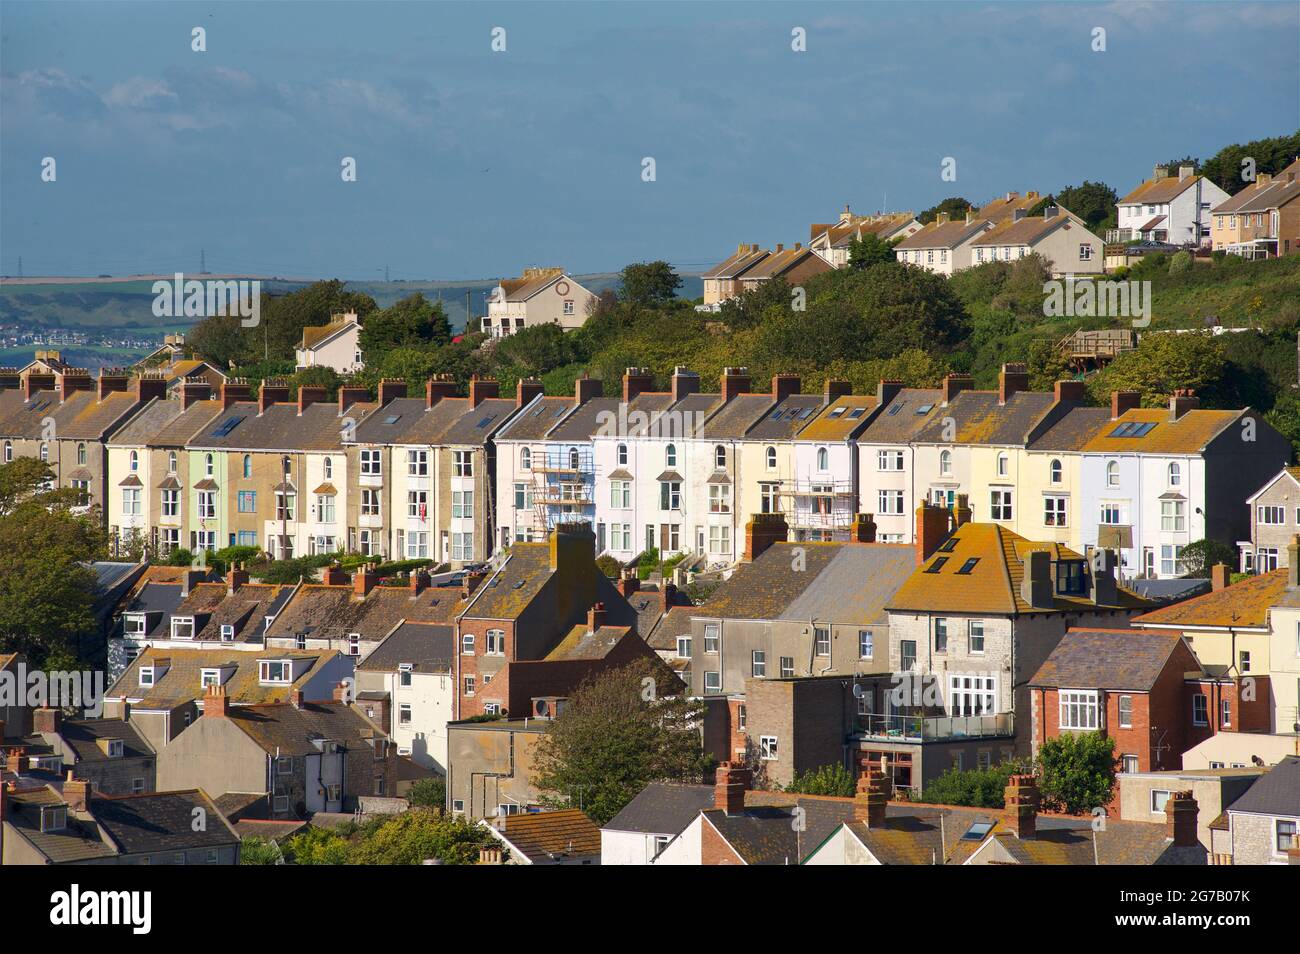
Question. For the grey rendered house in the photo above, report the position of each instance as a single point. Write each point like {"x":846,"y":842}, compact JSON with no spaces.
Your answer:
{"x":1274,"y":522}
{"x":1264,"y":824}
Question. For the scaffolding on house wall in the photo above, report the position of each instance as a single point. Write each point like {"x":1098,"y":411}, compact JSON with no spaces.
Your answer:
{"x":564,"y":486}
{"x":818,"y":504}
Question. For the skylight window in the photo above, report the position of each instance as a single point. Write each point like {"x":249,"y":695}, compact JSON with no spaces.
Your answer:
{"x":1133,"y":429}
{"x":228,"y":425}
{"x":977,"y":831}
{"x":838,"y":412}
{"x":948,"y":545}
{"x":857,"y":412}
{"x":925,"y":409}
{"x":969,"y":565}
{"x":937,"y":565}
{"x":392,"y":419}
{"x":894,"y":410}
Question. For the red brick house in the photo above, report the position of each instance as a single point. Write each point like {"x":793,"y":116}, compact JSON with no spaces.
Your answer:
{"x":1145,"y":689}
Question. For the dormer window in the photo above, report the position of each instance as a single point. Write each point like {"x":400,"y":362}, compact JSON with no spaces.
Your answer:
{"x":1069,"y":576}
{"x":133,"y":624}
{"x":115,"y":748}
{"x":147,"y":676}
{"x":274,"y":672}
{"x":182,"y":627}
{"x":54,"y":817}
{"x":227,"y":632}
{"x":210,"y":677}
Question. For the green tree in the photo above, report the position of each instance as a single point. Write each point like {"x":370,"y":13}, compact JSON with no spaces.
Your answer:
{"x":617,"y":734}
{"x":832,"y":779}
{"x":317,"y":846}
{"x":955,"y":206}
{"x":650,"y":283}
{"x":1161,"y":364}
{"x":1199,"y":556}
{"x":1181,"y":262}
{"x":1094,"y":202}
{"x":1077,"y":771}
{"x":412,"y":837}
{"x":413,"y":322}
{"x":429,"y":793}
{"x":871,"y":250}
{"x":260,"y":851}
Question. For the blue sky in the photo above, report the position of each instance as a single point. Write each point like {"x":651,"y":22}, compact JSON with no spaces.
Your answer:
{"x":472,"y":163}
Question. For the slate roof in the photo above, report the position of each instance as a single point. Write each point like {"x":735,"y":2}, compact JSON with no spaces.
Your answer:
{"x":281,"y":427}
{"x":333,"y":612}
{"x":155,"y":597}
{"x":1243,"y":604}
{"x":785,"y":420}
{"x":156,"y":414}
{"x":212,"y":607}
{"x":1262,"y":198}
{"x":841,"y":419}
{"x":1107,"y":659}
{"x":1121,"y":843}
{"x":732,"y":420}
{"x":81,"y":417}
{"x":847,"y":583}
{"x":583,"y":643}
{"x":662,"y":808}
{"x":162,"y":821}
{"x":1187,"y":435}
{"x":181,"y":429}
{"x":901,"y":426}
{"x":540,"y":836}
{"x":390,"y":422}
{"x":980,"y":419}
{"x":993,"y":584}
{"x":1276,"y":793}
{"x":181,"y":681}
{"x":1073,"y":430}
{"x":426,"y":647}
{"x":535,"y":421}
{"x":585,"y":421}
{"x":78,"y":841}
{"x":292,"y":730}
{"x":82,"y":736}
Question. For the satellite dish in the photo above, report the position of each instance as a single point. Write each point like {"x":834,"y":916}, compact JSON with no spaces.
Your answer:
{"x":857,"y":691}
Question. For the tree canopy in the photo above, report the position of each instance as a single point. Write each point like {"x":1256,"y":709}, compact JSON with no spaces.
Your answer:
{"x":650,"y":283}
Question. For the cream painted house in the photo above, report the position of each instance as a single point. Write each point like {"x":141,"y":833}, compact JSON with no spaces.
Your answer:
{"x":336,"y":345}
{"x":540,"y":296}
{"x":1061,"y":239}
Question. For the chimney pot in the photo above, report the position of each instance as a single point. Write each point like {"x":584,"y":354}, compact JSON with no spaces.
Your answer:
{"x":734,"y":381}
{"x":216,"y":704}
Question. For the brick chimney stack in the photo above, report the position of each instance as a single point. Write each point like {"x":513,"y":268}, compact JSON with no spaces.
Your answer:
{"x":390,"y":389}
{"x":273,"y":391}
{"x":191,"y":392}
{"x":350,"y":394}
{"x":628,"y":583}
{"x":596,"y":617}
{"x":236,"y":577}
{"x":1180,"y":819}
{"x":438,"y":387}
{"x":1121,"y":402}
{"x":931,"y":530}
{"x":216,"y":704}
{"x":863,"y":529}
{"x":480,"y":389}
{"x":73,"y":380}
{"x":729,"y":789}
{"x":1219,"y":576}
{"x":115,"y":379}
{"x":1020,"y":813}
{"x":309,"y":394}
{"x":763,"y":530}
{"x":1182,"y":401}
{"x":234,"y":390}
{"x":635,"y":380}
{"x":873,"y":795}
{"x":735,"y":381}
{"x":296,"y":698}
{"x":886,"y":391}
{"x":46,"y":719}
{"x":835,"y":389}
{"x":341,"y":692}
{"x":150,"y":385}
{"x":585,"y":388}
{"x":526,"y":389}
{"x":783,"y":385}
{"x":333,"y":575}
{"x":1013,"y":378}
{"x":419,"y":582}
{"x":954,"y":384}
{"x":77,"y":793}
{"x":37,"y":382}
{"x":668,"y":595}
{"x":1072,"y":391}
{"x":364,"y":580}
{"x":685,"y":382}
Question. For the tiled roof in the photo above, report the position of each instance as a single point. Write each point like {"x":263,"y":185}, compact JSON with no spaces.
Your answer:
{"x":944,"y":235}
{"x":212,"y":607}
{"x":583,"y":643}
{"x":162,"y":821}
{"x":829,"y":588}
{"x":81,"y":417}
{"x":916,"y":408}
{"x":180,"y":683}
{"x":1003,"y":208}
{"x":1026,"y":231}
{"x":1187,"y":435}
{"x":537,"y":419}
{"x":784,"y":421}
{"x":181,"y":429}
{"x":281,"y":427}
{"x":542,"y":836}
{"x":992,"y":585}
{"x":507,"y":593}
{"x":158,"y":413}
{"x":980,"y":419}
{"x":1073,"y":430}
{"x":735,"y":266}
{"x":333,"y":612}
{"x":840,"y":419}
{"x":426,"y":647}
{"x":1154,"y":191}
{"x":1276,"y":793}
{"x":676,"y":622}
{"x":780,"y":262}
{"x":294,"y":730}
{"x":731,"y":421}
{"x":1100,"y":659}
{"x":1262,"y":197}
{"x":1119,"y":843}
{"x":1243,"y":604}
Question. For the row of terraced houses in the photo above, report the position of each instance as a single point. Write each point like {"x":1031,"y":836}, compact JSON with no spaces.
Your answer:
{"x":676,"y":470}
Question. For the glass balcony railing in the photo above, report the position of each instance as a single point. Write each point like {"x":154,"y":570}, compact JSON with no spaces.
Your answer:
{"x":921,"y":728}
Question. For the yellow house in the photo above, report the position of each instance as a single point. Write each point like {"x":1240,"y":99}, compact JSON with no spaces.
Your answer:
{"x":1050,"y":472}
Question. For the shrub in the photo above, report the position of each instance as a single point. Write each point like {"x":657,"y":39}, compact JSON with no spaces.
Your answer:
{"x":828,"y":780}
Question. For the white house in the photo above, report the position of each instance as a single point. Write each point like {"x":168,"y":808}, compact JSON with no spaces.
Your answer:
{"x":539,"y":296}
{"x":1168,"y":208}
{"x":336,"y":345}
{"x":408,"y":679}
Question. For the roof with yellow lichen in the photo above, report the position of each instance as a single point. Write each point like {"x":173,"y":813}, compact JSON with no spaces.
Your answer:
{"x":840,"y":419}
{"x":541,"y":835}
{"x":1188,"y":435}
{"x":181,"y":681}
{"x":1244,"y":604}
{"x":949,"y":580}
{"x":978,"y":418}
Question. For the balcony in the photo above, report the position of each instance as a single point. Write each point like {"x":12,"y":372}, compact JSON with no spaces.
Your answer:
{"x":919,"y":728}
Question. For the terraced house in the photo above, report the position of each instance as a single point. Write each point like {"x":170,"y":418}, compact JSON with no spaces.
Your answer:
{"x":273,"y":473}
{"x":424,"y":477}
{"x":66,"y":422}
{"x":545,"y":470}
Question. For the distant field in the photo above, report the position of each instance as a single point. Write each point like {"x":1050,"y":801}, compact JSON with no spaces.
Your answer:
{"x":93,"y":304}
{"x":84,"y":356}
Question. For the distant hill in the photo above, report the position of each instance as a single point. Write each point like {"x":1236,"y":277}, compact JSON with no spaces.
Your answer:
{"x":126,"y":304}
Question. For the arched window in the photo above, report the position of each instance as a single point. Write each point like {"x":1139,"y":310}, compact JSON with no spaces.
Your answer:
{"x":1175,"y":475}
{"x":208,"y":464}
{"x":622,"y":455}
{"x":45,"y":453}
{"x":171,"y":463}
{"x":1002,"y":465}
{"x":945,"y":463}
{"x":720,"y":457}
{"x":526,"y":458}
{"x":771,"y":458}
{"x":670,"y":456}
{"x":9,"y":452}
{"x":573,"y":458}
{"x":823,"y":459}
{"x":1112,"y":473}
{"x":135,"y":461}
{"x":81,"y":454}
{"x":247,"y":464}
{"x":1054,"y":469}
{"x":329,"y":468}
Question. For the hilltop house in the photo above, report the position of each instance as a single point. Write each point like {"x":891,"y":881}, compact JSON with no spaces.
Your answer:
{"x":1168,"y":208}
{"x":336,"y":345}
{"x":539,"y":296}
